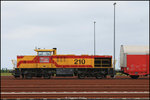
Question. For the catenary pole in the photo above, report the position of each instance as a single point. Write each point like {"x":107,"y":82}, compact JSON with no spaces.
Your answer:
{"x":94,"y":40}
{"x":114,"y":36}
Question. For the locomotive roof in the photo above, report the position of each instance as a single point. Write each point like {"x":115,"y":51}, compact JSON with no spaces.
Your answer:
{"x":37,"y":50}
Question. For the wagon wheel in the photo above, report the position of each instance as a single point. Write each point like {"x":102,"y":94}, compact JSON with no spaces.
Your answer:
{"x":81,"y":76}
{"x":134,"y":76}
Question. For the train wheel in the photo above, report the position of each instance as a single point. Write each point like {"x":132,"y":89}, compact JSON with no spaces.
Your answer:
{"x":22,"y":76}
{"x":112,"y":76}
{"x":105,"y":76}
{"x":39,"y":76}
{"x":47,"y":76}
{"x":134,"y":76}
{"x":28,"y":76}
{"x":17,"y":76}
{"x":81,"y":76}
{"x":99,"y":76}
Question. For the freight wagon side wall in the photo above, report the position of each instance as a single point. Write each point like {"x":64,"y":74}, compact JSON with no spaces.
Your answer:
{"x":137,"y":64}
{"x":148,"y":64}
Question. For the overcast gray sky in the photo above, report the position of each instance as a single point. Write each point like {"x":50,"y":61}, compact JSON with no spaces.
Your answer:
{"x":68,"y":26}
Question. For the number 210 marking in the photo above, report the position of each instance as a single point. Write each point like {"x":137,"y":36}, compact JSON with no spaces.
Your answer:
{"x":79,"y":61}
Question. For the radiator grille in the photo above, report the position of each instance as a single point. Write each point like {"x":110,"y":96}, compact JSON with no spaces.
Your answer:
{"x":102,"y":62}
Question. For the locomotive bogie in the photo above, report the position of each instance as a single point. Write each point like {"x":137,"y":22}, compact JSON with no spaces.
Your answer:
{"x":48,"y":72}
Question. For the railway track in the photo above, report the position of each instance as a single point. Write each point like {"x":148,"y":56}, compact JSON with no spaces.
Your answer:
{"x":74,"y":88}
{"x":76,"y":96}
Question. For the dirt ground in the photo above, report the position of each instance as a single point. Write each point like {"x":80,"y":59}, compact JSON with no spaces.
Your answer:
{"x":71,"y":87}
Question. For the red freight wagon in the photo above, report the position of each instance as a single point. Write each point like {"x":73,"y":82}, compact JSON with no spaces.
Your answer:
{"x":134,"y":60}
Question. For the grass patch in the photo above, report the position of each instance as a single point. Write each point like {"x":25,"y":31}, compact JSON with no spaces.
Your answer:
{"x":6,"y":74}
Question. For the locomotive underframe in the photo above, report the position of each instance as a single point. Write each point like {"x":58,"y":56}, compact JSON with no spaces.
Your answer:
{"x":48,"y":72}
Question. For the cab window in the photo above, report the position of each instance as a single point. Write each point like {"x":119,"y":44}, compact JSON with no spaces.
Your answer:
{"x":45,"y":53}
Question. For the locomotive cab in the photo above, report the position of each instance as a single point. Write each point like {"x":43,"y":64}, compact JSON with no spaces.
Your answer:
{"x":46,"y":52}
